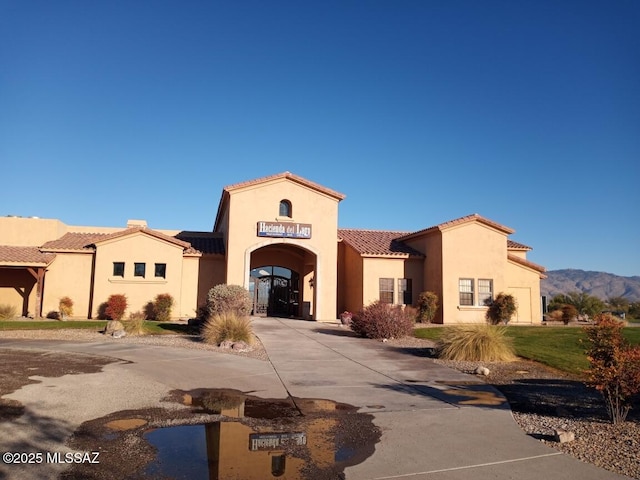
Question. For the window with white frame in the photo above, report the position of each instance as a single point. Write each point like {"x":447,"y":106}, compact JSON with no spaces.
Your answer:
{"x":386,"y":290}
{"x":485,"y":291}
{"x":465,"y":287}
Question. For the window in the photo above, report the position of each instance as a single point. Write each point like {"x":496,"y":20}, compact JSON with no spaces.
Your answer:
{"x":285,"y":208}
{"x":465,"y":287}
{"x":386,"y":290}
{"x":118,"y":269}
{"x":139,"y":269}
{"x":485,"y":291}
{"x":161,"y":270}
{"x":404,"y":291}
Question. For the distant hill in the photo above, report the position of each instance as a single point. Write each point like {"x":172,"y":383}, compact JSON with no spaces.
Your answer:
{"x":599,"y":284}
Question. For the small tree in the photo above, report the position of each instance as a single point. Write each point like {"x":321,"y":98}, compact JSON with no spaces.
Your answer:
{"x":569,"y":312}
{"x":229,"y":298}
{"x":116,"y":306}
{"x":427,"y":307}
{"x":162,"y":305}
{"x":501,"y":309}
{"x":614,"y":366}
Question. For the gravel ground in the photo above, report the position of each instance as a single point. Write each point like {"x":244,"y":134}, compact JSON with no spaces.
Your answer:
{"x":542,"y":399}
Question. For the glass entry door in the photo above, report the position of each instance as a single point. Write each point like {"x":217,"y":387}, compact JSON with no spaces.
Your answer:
{"x":275,"y":291}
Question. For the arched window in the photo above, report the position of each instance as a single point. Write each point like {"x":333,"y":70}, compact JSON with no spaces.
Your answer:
{"x":285,"y":208}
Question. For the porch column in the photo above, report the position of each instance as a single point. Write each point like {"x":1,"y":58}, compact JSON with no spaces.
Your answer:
{"x":38,"y":274}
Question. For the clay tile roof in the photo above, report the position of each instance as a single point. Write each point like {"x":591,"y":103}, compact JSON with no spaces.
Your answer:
{"x":459,"y":221}
{"x":24,"y":255}
{"x":526,"y":263}
{"x":291,"y":176}
{"x":377,"y":242}
{"x":517,"y":246}
{"x":74,"y":241}
{"x":203,"y":242}
{"x":148,"y":231}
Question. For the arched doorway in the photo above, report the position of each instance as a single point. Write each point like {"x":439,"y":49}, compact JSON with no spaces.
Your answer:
{"x":275,"y":290}
{"x":282,"y":278}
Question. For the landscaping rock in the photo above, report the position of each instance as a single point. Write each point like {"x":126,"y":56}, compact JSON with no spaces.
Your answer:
{"x":482,"y":371}
{"x":241,"y":347}
{"x":563,"y":436}
{"x":226,"y":344}
{"x":119,"y":334}
{"x":113,"y":326}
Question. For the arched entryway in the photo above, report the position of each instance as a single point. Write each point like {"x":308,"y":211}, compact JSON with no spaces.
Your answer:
{"x":281,"y":278}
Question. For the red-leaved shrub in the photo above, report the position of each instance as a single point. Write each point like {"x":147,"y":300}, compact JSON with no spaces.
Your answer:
{"x":382,"y":320}
{"x":116,"y":306}
{"x":614,"y":366}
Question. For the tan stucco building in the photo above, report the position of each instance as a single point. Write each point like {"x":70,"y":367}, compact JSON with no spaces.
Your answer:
{"x":277,"y":236}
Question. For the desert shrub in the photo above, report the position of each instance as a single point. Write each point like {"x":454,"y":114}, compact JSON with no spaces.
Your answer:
{"x":614,"y":366}
{"x":65,"y":305}
{"x":116,"y":306}
{"x":227,"y":326}
{"x":486,"y":343}
{"x":382,"y":320}
{"x":501,"y":309}
{"x":229,"y":298}
{"x":427,"y":307}
{"x":569,"y":312}
{"x":7,"y":312}
{"x":554,"y":316}
{"x":134,"y":325}
{"x":411,"y":312}
{"x":162,"y":307}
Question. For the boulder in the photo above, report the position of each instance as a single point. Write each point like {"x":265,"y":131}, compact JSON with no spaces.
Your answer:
{"x":226,"y":344}
{"x":113,"y":326}
{"x":241,"y":346}
{"x":119,"y":334}
{"x":482,"y":371}
{"x":563,"y":436}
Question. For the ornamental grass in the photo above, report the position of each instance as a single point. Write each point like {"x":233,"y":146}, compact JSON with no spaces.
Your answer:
{"x":227,"y":326}
{"x":485,"y":343}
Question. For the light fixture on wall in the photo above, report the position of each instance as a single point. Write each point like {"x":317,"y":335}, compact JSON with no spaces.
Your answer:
{"x":312,"y":281}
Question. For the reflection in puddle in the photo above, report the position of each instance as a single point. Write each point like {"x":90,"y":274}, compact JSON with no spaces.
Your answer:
{"x":241,"y":437}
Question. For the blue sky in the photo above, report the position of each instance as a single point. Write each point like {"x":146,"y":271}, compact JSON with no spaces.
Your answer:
{"x":526,"y":112}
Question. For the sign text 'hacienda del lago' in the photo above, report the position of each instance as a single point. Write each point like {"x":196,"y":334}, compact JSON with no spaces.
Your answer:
{"x":285,"y":230}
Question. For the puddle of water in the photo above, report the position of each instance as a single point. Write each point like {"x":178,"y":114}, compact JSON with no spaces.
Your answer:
{"x":288,"y":439}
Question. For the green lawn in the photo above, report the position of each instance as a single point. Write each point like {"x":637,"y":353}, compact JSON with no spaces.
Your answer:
{"x":558,"y":347}
{"x":153,"y":328}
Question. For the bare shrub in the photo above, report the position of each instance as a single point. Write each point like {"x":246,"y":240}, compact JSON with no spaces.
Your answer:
{"x":134,"y":325}
{"x":486,"y":343}
{"x":65,"y":305}
{"x":229,"y":298}
{"x":227,"y":326}
{"x":116,"y":306}
{"x":501,"y":308}
{"x":382,"y":320}
{"x":162,"y":305}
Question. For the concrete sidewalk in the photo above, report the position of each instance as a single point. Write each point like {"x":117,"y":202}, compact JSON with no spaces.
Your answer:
{"x":436,"y":422}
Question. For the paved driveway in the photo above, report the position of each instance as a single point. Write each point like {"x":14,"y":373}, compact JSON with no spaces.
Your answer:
{"x":436,"y":422}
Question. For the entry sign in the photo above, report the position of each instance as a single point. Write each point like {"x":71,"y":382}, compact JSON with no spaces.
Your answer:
{"x":284,"y":230}
{"x":274,"y":441}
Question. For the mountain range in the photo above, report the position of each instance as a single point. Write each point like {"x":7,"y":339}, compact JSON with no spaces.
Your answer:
{"x":599,"y":284}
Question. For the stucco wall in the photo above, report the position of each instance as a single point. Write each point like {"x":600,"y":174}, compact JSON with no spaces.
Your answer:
{"x":350,"y":279}
{"x":29,"y":232}
{"x":471,"y":250}
{"x":524,"y":284}
{"x":248,"y":206}
{"x":142,"y":248}
{"x":376,"y":268}
{"x":68,"y":276}
{"x":211,"y":272}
